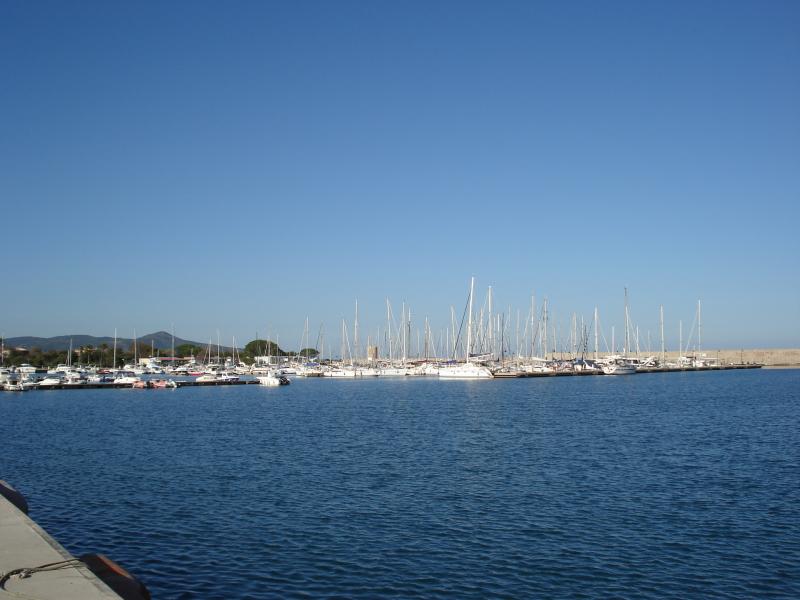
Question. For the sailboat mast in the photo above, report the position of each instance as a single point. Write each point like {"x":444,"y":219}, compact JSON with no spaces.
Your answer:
{"x":389,"y":322}
{"x":408,"y":335}
{"x":427,"y":337}
{"x":699,"y":328}
{"x":355,"y":331}
{"x":626,"y":340}
{"x":469,"y":319}
{"x":452,"y":335}
{"x":490,"y":335}
{"x":544,"y":328}
{"x":661,"y":325}
{"x":574,"y":335}
{"x":596,"y":326}
{"x":403,"y":336}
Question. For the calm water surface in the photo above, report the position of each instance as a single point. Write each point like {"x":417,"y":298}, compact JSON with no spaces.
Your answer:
{"x":651,"y":486}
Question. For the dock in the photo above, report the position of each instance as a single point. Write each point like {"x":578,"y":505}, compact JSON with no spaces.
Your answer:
{"x":517,"y":374}
{"x":34,"y":565}
{"x":127,"y":386}
{"x":500,"y":374}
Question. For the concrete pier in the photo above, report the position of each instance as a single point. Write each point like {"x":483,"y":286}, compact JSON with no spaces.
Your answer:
{"x":25,"y":545}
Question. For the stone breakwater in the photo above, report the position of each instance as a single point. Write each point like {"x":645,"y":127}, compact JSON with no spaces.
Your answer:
{"x":769,"y":357}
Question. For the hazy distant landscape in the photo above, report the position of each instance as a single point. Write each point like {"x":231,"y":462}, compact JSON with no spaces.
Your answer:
{"x":159,"y":339}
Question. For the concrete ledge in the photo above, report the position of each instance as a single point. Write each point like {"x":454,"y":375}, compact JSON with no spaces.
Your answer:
{"x":23,"y":544}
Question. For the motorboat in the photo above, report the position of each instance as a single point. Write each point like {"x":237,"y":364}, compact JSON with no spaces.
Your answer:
{"x":161,"y":383}
{"x":272,"y":380}
{"x":217,"y":377}
{"x":125,"y":378}
{"x":74,"y":377}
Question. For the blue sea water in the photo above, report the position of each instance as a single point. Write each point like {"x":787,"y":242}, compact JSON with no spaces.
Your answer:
{"x":679,"y":485}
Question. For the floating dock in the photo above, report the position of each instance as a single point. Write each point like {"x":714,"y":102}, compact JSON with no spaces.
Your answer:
{"x":128,"y":386}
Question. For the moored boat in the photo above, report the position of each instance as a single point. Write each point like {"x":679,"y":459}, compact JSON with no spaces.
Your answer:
{"x":465,"y":371}
{"x":273,"y":380}
{"x":619,"y":368}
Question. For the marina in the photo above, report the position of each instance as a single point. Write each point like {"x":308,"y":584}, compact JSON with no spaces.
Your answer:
{"x":359,"y":374}
{"x":400,"y":300}
{"x":479,"y":347}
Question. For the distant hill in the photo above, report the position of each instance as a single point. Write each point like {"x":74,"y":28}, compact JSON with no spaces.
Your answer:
{"x":160,"y":339}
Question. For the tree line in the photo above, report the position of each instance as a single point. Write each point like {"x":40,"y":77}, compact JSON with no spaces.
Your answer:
{"x":103,"y":354}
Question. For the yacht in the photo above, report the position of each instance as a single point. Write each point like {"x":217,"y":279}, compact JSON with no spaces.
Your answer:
{"x":392,"y":371}
{"x":619,"y":367}
{"x":310,"y":369}
{"x":272,"y":380}
{"x":340,"y":372}
{"x":74,"y":377}
{"x":465,"y":371}
{"x":125,"y":377}
{"x":217,"y":376}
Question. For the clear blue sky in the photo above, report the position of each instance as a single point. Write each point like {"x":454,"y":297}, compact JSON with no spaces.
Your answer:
{"x":240,"y":166}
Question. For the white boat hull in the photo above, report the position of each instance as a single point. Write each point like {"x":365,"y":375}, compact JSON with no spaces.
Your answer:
{"x":467,"y":371}
{"x":619,"y":370}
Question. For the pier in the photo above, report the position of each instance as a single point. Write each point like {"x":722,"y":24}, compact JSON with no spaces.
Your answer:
{"x":34,"y":565}
{"x":514,"y":375}
{"x":128,"y":386}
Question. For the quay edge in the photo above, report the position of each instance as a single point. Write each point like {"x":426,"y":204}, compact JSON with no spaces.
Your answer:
{"x":35,"y":565}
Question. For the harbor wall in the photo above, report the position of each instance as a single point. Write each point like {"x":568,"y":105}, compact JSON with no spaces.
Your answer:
{"x":770,"y":357}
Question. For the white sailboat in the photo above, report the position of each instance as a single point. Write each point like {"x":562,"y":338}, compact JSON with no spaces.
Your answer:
{"x":618,"y":367}
{"x":621,"y":365}
{"x":468,"y":370}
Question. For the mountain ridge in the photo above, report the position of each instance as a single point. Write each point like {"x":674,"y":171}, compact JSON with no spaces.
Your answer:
{"x":159,"y":339}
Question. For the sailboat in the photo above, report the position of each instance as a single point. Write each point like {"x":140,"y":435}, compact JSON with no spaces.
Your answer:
{"x":621,"y":365}
{"x":468,"y":370}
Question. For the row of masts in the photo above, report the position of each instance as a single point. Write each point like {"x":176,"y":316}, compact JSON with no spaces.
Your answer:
{"x":487,"y":335}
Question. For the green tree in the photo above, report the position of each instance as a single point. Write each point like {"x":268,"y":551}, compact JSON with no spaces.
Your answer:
{"x":263,"y":348}
{"x":188,"y":350}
